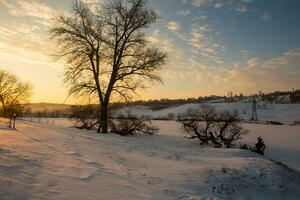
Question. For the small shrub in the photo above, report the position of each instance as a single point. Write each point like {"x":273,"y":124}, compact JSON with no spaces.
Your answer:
{"x":259,"y":146}
{"x":274,"y":123}
{"x":85,"y":116}
{"x":132,"y":126}
{"x":224,"y":169}
{"x":297,"y":122}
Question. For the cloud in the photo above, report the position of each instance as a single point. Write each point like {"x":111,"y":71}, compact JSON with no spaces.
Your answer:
{"x":93,"y":4}
{"x":198,"y":3}
{"x":257,"y":74}
{"x":176,"y":65}
{"x":266,"y":17}
{"x":25,"y":43}
{"x":183,"y":12}
{"x":91,"y":1}
{"x":242,"y":8}
{"x":41,"y":12}
{"x":29,"y":8}
{"x":203,"y":44}
{"x":173,"y":25}
{"x":245,"y":53}
{"x":219,"y":5}
{"x":248,"y":77}
{"x":18,"y":57}
{"x":247,"y":1}
{"x":237,"y":5}
{"x":184,"y":1}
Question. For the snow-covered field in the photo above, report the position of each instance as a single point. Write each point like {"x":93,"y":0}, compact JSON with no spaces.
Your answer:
{"x":282,"y":141}
{"x":57,"y":162}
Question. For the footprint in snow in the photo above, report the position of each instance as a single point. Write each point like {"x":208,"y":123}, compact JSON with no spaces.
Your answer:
{"x":73,"y":153}
{"x":174,"y":157}
{"x":85,"y":176}
{"x":95,"y":165}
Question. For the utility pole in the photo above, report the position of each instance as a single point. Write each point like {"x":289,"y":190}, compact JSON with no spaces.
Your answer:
{"x":254,"y":110}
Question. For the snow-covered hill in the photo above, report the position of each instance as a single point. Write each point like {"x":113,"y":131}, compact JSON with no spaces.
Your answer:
{"x":44,"y":162}
{"x":284,"y":113}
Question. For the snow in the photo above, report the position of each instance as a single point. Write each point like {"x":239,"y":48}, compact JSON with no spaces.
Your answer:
{"x":285,"y":113}
{"x":282,"y":141}
{"x":40,"y":161}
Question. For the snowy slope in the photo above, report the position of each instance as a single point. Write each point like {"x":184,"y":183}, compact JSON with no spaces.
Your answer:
{"x":44,"y":162}
{"x":282,"y":141}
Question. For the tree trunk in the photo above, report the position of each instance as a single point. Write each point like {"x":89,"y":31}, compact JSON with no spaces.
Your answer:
{"x":99,"y":128}
{"x":104,"y":118}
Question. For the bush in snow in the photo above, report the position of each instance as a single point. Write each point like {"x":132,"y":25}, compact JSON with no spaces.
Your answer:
{"x":132,"y":126}
{"x":220,"y":129}
{"x":85,"y":116}
{"x":274,"y":123}
{"x":259,"y":146}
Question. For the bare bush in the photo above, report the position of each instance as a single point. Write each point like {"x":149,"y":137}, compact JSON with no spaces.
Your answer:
{"x":132,"y":126}
{"x":220,"y":129}
{"x":85,"y":116}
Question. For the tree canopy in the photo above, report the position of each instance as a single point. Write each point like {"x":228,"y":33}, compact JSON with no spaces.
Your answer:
{"x":106,"y":52}
{"x":13,"y":92}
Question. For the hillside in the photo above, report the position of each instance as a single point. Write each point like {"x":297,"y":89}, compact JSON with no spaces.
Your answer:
{"x":283,"y":113}
{"x":43,"y":162}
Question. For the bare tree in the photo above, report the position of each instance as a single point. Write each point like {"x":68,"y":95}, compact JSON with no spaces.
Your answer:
{"x":13,"y":92}
{"x":106,"y":52}
{"x":211,"y":127}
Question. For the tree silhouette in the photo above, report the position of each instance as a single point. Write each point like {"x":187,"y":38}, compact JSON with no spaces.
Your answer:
{"x":13,"y":92}
{"x":106,"y":52}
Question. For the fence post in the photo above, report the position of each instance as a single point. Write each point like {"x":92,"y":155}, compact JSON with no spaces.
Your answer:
{"x":14,"y":124}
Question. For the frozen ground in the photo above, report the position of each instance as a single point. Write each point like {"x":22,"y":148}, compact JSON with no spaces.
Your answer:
{"x":58,"y":162}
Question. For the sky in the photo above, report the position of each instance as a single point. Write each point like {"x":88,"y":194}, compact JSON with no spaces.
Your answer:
{"x":213,"y":46}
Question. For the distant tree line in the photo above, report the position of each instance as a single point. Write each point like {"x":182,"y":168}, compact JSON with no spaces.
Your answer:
{"x":165,"y":103}
{"x":49,"y":113}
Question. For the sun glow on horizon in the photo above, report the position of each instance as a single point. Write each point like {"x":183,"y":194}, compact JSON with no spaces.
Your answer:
{"x":213,"y":47}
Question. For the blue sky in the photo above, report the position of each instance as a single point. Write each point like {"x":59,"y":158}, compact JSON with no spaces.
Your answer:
{"x":214,"y":46}
{"x":266,"y":28}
